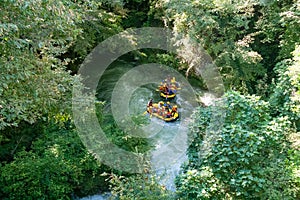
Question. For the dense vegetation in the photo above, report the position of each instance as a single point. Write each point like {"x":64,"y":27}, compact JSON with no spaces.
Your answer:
{"x":256,"y":46}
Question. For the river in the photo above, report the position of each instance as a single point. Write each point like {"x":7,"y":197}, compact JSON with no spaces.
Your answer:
{"x":169,"y":139}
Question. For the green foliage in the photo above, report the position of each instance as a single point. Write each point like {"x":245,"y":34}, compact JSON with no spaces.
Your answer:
{"x":15,"y":139}
{"x":56,"y":166}
{"x":294,"y":74}
{"x":38,"y":40}
{"x":225,"y":30}
{"x":245,"y":39}
{"x":285,"y":97}
{"x":256,"y":154}
{"x":249,"y":159}
{"x":140,"y":13}
{"x":99,"y":22}
{"x":33,"y":81}
{"x":290,"y":20}
{"x":122,"y":138}
{"x":144,"y":187}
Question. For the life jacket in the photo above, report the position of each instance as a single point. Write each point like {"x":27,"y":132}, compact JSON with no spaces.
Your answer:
{"x":175,"y":115}
{"x":173,"y":80}
{"x":169,"y":114}
{"x":166,"y":89}
{"x":150,"y":103}
{"x":174,"y":109}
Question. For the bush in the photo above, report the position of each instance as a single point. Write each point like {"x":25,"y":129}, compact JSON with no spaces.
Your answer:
{"x":249,"y":158}
{"x":141,"y":186}
{"x":56,"y":166}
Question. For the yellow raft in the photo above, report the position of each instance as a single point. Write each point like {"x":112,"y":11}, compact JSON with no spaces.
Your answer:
{"x":167,"y":96}
{"x":160,"y":113}
{"x":169,"y":85}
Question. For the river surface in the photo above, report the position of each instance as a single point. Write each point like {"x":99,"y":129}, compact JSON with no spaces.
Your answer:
{"x":169,"y":139}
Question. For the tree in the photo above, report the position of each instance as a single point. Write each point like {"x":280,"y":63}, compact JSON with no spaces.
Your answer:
{"x":245,"y":39}
{"x":34,"y":83}
{"x":140,"y":186}
{"x":37,"y":42}
{"x":285,"y":98}
{"x":57,"y":166}
{"x":249,"y":158}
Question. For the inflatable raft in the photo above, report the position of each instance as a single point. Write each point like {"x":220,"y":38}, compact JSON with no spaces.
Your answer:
{"x":163,"y":111}
{"x":167,"y":95}
{"x":168,"y":88}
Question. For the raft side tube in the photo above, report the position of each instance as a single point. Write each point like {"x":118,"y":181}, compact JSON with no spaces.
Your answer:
{"x":167,"y":96}
{"x":170,"y":119}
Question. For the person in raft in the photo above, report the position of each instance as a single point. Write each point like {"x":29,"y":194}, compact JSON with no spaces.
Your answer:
{"x":174,"y":110}
{"x":150,"y":103}
{"x":168,"y":105}
{"x":169,"y":114}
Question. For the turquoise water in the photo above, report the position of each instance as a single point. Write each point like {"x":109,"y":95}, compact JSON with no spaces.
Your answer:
{"x":169,"y":139}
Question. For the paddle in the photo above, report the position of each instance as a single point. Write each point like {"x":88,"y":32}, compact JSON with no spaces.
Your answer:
{"x":146,"y":113}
